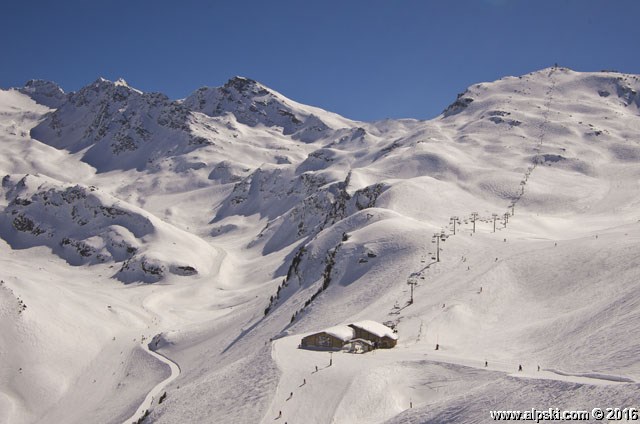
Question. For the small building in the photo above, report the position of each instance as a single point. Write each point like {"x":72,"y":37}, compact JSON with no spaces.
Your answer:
{"x":380,"y":335}
{"x":358,"y":346}
{"x":333,"y":338}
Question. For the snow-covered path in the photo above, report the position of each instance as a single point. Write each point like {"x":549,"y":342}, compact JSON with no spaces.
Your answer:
{"x":151,"y":396}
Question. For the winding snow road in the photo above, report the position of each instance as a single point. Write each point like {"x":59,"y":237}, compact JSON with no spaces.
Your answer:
{"x":148,"y":400}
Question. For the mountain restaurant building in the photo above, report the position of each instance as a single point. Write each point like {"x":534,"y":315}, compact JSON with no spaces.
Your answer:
{"x":381,"y":335}
{"x":333,"y":338}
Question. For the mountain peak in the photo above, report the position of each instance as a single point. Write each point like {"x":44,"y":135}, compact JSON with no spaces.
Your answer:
{"x":252,"y":104}
{"x":102,"y":83}
{"x":35,"y":84}
{"x":121,"y":126}
{"x":44,"y":92}
{"x":239,"y":81}
{"x":121,"y":82}
{"x":245,"y":86}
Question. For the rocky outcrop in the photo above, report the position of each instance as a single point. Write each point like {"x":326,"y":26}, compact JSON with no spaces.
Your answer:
{"x":120,"y":127}
{"x":253,"y":104}
{"x":85,"y":226}
{"x":44,"y":92}
{"x":462,"y":102}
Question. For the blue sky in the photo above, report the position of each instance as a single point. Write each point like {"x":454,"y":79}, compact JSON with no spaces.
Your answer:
{"x":366,"y":60}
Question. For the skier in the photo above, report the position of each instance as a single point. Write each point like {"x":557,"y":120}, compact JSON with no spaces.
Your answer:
{"x":486,"y":364}
{"x":280,"y":414}
{"x":519,"y":367}
{"x":316,"y":368}
{"x":538,"y":367}
{"x":437,"y":346}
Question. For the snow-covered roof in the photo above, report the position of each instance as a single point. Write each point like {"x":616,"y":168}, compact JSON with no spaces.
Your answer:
{"x":342,"y":332}
{"x":376,"y":328}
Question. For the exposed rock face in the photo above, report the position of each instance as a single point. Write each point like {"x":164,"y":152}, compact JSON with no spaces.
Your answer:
{"x":85,"y":226}
{"x":253,"y":104}
{"x":121,"y":126}
{"x":462,"y":102}
{"x":78,"y":223}
{"x":44,"y":92}
{"x":250,"y":102}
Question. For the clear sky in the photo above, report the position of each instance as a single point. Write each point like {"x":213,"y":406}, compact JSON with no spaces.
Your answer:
{"x":364,"y":59}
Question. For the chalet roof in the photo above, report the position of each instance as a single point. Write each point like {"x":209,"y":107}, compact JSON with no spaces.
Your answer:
{"x":342,"y":332}
{"x":376,"y":328}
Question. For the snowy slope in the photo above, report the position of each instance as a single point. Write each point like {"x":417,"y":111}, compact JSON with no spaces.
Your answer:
{"x":84,"y":226}
{"x":298,"y":220}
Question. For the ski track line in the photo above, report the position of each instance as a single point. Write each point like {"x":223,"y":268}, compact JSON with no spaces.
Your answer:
{"x":543,"y":374}
{"x":148,"y":400}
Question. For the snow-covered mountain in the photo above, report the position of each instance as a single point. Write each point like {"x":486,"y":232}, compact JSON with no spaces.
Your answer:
{"x":253,"y":104}
{"x":118,"y":127}
{"x":220,"y":229}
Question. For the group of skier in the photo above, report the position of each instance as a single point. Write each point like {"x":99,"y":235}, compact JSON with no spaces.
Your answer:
{"x":304,"y":382}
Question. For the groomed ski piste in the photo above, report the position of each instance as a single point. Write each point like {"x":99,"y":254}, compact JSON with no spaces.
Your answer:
{"x":237,"y":248}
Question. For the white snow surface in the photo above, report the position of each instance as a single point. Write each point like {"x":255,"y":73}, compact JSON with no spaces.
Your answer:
{"x":220,"y":229}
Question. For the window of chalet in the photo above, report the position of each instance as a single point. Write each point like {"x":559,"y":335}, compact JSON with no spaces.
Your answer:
{"x":324,"y":341}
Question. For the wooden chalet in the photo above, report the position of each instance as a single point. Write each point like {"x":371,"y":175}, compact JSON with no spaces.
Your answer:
{"x":380,"y":335}
{"x":333,"y":338}
{"x":359,"y":337}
